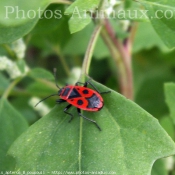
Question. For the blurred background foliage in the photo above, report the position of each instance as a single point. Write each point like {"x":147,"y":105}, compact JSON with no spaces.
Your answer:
{"x":153,"y":63}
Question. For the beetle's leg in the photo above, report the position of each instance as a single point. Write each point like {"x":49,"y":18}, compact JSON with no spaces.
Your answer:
{"x":65,"y":110}
{"x":76,"y":84}
{"x":84,"y":84}
{"x":105,"y":92}
{"x":80,"y":114}
{"x":54,"y":72}
{"x":60,"y":101}
{"x":88,"y":82}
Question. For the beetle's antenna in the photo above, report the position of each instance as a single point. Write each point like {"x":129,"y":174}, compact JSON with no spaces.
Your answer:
{"x":45,"y":98}
{"x":54,"y":72}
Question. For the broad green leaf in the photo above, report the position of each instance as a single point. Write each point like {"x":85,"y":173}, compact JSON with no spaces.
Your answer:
{"x":170,"y":98}
{"x":162,"y":14}
{"x":12,"y":124}
{"x":17,"y":12}
{"x":129,"y":143}
{"x":10,"y":34}
{"x":79,"y":16}
{"x":77,"y":23}
{"x":142,"y":39}
{"x":49,"y":22}
{"x":18,"y":17}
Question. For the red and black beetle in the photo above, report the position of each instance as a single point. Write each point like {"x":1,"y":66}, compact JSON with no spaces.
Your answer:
{"x":82,"y":97}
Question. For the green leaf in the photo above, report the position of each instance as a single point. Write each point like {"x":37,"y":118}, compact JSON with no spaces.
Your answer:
{"x":48,"y":25}
{"x":127,"y":3}
{"x":12,"y":124}
{"x":17,"y":17}
{"x":10,"y":34}
{"x":41,"y":73}
{"x":130,"y":140}
{"x":48,"y":30}
{"x":78,"y":11}
{"x":162,"y":14}
{"x":152,"y":69}
{"x":77,"y":23}
{"x":142,"y":39}
{"x":170,"y":98}
{"x":16,"y":12}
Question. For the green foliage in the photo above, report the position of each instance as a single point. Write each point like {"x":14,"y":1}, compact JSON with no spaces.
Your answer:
{"x":74,"y":48}
{"x":79,"y":14}
{"x":20,"y":23}
{"x":151,"y":69}
{"x":162,"y":15}
{"x":170,"y":97}
{"x":41,"y":73}
{"x":128,"y":3}
{"x":143,"y":40}
{"x":11,"y":126}
{"x":128,"y":140}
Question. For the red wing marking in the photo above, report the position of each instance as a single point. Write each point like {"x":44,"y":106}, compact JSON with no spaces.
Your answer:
{"x":80,"y":102}
{"x":84,"y":91}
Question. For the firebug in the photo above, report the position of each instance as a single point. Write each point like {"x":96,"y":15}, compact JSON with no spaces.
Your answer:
{"x":82,"y":97}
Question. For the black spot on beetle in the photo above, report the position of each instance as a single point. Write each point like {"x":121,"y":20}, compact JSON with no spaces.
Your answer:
{"x":85,"y":91}
{"x":79,"y":102}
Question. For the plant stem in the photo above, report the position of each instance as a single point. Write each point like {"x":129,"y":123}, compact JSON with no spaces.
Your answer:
{"x":90,"y":49}
{"x":124,"y":60}
{"x":116,"y":56}
{"x":12,"y":85}
{"x":130,"y":40}
{"x":10,"y":51}
{"x":92,"y":42}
